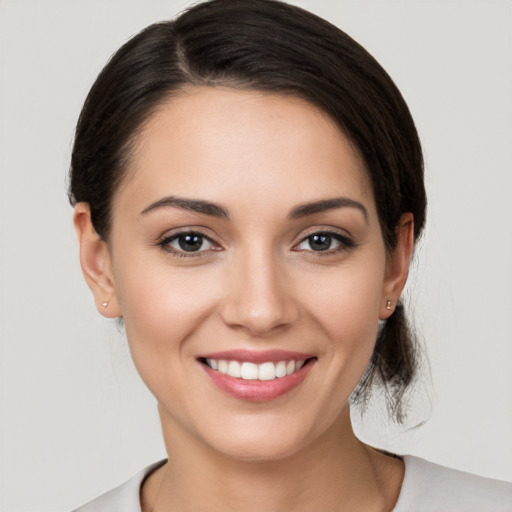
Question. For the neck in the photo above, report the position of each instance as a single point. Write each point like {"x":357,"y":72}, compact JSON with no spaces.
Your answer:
{"x":337,"y":472}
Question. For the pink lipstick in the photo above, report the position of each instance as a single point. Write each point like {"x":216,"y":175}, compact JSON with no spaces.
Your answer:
{"x":257,"y":375}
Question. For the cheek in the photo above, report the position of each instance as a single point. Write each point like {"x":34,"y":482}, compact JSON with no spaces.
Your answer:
{"x":159,"y":302}
{"x":347,"y":300}
{"x":162,"y":312}
{"x":162,"y":308}
{"x":345,"y":309}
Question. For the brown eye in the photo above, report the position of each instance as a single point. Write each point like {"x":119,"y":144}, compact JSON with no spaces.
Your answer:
{"x":320,"y":242}
{"x":190,"y":242}
{"x":187,"y":242}
{"x":325,"y":242}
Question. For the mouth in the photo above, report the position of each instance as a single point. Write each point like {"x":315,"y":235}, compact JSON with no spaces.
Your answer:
{"x":257,"y":376}
{"x":252,"y":371}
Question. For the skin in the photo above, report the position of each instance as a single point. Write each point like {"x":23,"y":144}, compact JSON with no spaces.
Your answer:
{"x":257,"y":285}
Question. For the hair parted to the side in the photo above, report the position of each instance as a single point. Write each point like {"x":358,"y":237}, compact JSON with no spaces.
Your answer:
{"x":273,"y":47}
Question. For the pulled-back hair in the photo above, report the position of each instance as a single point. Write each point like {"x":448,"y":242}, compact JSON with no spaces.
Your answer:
{"x":269,"y":46}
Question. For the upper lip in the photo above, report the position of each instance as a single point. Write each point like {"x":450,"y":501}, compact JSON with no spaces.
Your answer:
{"x":258,"y":357}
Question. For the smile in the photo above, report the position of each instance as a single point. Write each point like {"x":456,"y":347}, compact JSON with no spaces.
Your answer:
{"x":257,"y":376}
{"x":252,"y":371}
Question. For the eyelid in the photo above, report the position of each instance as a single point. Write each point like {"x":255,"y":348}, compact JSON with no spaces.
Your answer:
{"x":328,"y":230}
{"x":185,"y":230}
{"x":164,"y":241}
{"x":343,"y":236}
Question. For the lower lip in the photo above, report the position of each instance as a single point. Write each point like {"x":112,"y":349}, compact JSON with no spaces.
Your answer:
{"x":258,"y":390}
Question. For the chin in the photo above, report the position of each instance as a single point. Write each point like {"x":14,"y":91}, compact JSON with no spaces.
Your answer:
{"x":258,"y":441}
{"x":259,"y":450}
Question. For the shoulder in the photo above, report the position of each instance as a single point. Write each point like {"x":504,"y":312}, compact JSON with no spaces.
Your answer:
{"x":429,"y":487}
{"x":125,"y":497}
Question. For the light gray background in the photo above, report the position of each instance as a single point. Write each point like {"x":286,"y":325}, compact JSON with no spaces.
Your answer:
{"x":74,"y":418}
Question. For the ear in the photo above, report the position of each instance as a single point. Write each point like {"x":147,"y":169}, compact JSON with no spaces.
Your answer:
{"x":96,"y":263}
{"x":397,"y":266}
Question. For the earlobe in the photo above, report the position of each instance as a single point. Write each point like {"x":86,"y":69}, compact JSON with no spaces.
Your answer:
{"x":397,"y":267}
{"x":95,"y":262}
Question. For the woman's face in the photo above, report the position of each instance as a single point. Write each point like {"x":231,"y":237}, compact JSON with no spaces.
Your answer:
{"x":246,"y":233}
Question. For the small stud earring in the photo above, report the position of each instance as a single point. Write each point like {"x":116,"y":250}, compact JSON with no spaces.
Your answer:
{"x":105,"y":304}
{"x":388,"y":305}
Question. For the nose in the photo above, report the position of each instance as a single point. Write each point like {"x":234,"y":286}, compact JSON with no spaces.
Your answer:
{"x":258,"y":296}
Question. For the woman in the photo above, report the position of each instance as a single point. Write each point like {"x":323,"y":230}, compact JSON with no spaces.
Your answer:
{"x":248,"y":190}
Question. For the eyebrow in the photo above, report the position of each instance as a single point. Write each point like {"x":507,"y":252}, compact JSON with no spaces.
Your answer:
{"x":214,"y":210}
{"x":194,"y":205}
{"x":325,"y":205}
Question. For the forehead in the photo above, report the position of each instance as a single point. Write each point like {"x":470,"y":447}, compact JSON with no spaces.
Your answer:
{"x":229,"y":143}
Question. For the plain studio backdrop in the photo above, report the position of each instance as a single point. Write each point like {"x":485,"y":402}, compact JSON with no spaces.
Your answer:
{"x":75,"y":419}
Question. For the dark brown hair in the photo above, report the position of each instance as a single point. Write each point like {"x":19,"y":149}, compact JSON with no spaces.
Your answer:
{"x":269,"y":46}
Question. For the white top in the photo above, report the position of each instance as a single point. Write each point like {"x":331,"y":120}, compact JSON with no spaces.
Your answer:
{"x":427,"y":487}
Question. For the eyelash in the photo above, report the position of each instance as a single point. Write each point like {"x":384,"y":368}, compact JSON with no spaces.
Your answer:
{"x":345,"y":243}
{"x":165,"y":242}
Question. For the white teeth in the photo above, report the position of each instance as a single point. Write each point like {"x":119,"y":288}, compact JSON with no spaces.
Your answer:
{"x":223,"y":366}
{"x":281,"y":369}
{"x":213,"y":364}
{"x":249,"y":371}
{"x":252,"y":371}
{"x":234,"y":369}
{"x":267,"y":371}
